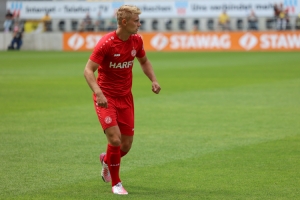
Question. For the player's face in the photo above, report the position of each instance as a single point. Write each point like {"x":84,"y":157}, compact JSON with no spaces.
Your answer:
{"x":133,"y":24}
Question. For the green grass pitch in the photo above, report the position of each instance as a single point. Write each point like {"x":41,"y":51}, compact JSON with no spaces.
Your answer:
{"x":225,"y":126}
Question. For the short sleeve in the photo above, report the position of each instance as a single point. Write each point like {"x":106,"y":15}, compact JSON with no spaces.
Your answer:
{"x":99,"y":52}
{"x":140,"y":51}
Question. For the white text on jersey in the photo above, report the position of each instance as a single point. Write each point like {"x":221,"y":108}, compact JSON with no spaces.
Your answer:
{"x":121,"y":65}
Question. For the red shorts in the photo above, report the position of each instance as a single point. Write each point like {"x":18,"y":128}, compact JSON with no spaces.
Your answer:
{"x":120,"y":112}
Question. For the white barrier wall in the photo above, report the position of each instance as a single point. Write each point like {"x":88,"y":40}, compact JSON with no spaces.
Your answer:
{"x":44,"y":41}
{"x":35,"y":41}
{"x":5,"y":39}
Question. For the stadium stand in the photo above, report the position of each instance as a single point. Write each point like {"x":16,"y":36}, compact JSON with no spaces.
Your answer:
{"x":159,"y":24}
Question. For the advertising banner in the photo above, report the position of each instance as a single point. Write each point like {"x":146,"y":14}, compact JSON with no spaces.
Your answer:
{"x":208,"y":41}
{"x":150,"y":9}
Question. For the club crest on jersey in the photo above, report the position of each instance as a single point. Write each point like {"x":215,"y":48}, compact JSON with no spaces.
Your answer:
{"x":108,"y":119}
{"x":133,"y":52}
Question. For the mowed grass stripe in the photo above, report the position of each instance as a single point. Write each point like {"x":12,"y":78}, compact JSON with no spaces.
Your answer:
{"x":232,"y":174}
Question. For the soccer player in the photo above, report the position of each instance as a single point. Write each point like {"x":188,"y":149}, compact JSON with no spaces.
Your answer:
{"x":113,"y":57}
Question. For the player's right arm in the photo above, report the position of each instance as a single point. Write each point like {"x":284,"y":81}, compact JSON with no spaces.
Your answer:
{"x":89,"y":75}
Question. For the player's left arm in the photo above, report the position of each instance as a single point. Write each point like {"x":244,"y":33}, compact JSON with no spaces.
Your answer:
{"x":148,"y":70}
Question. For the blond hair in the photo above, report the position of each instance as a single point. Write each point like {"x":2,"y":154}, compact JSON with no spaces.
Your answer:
{"x":126,"y":12}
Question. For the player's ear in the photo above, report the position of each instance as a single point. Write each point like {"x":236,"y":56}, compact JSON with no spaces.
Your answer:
{"x":124,"y":22}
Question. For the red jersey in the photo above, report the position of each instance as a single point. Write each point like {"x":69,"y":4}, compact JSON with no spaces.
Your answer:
{"x":115,"y":58}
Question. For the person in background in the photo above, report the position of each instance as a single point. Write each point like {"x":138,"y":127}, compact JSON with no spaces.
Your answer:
{"x":113,"y":23}
{"x":282,"y":19}
{"x":46,"y":20}
{"x":276,"y":11}
{"x":99,"y":22}
{"x":87,"y":23}
{"x":252,"y":21}
{"x":16,"y":42}
{"x":224,"y":21}
{"x":298,"y":22}
{"x":168,"y":24}
{"x":8,"y":21}
{"x":113,"y":57}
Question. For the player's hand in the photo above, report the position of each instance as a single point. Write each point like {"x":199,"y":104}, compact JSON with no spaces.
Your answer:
{"x":155,"y":87}
{"x":102,"y":101}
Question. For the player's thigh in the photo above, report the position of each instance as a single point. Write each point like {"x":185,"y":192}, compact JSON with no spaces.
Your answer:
{"x":126,"y":116}
{"x":126,"y":122}
{"x":106,"y":116}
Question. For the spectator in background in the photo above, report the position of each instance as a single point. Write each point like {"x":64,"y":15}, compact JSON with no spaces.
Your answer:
{"x":298,"y":22}
{"x":224,"y":21}
{"x":276,"y":14}
{"x":87,"y":24}
{"x":276,"y":11}
{"x":99,"y":22}
{"x":8,"y":21}
{"x":46,"y":20}
{"x":287,"y":18}
{"x":168,"y":24}
{"x":16,"y":42}
{"x":113,"y":24}
{"x":282,"y":18}
{"x":252,"y":21}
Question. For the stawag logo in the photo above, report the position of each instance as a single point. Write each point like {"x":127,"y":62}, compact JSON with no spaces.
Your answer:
{"x":159,"y":41}
{"x":270,"y":41}
{"x":78,"y":41}
{"x":248,"y":41}
{"x":188,"y":41}
{"x":280,"y":41}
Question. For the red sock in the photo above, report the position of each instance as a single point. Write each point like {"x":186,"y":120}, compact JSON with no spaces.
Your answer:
{"x":113,"y":160}
{"x":123,"y":153}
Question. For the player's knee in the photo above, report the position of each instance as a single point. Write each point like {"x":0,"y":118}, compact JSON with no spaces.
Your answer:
{"x":115,"y":141}
{"x":126,"y":145}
